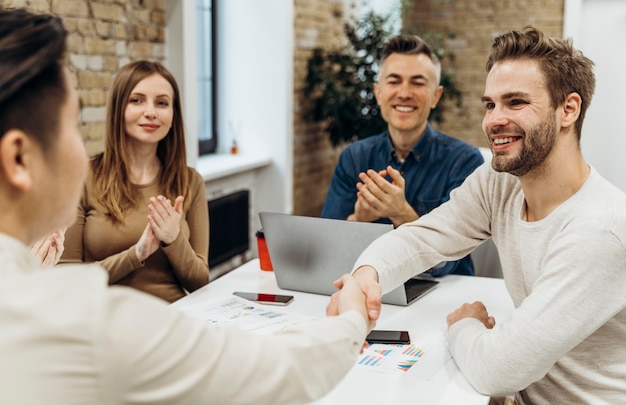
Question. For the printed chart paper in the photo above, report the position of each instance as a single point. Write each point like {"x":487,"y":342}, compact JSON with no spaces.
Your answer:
{"x":404,"y":359}
{"x":390,"y":359}
{"x":244,"y":314}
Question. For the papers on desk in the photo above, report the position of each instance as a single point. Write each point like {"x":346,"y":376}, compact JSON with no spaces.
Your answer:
{"x":244,"y":314}
{"x":405,"y":359}
{"x":390,"y":359}
{"x":409,"y":361}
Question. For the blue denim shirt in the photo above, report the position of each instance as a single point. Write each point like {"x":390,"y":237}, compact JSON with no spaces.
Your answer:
{"x":435,"y":166}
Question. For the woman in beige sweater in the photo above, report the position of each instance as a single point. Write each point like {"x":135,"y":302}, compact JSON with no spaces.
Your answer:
{"x":143,"y":215}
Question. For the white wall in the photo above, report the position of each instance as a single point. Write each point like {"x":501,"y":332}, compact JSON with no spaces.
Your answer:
{"x":255,"y":90}
{"x":385,"y":7}
{"x":181,"y":61}
{"x":598,"y":28}
{"x":254,"y":86}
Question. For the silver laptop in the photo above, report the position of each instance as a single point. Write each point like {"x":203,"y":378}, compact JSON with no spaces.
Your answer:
{"x":309,"y":253}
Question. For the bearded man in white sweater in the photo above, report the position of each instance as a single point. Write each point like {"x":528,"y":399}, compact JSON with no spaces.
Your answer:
{"x":560,"y":230}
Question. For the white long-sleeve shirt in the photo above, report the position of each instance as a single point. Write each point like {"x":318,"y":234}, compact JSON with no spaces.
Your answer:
{"x":565,"y":342}
{"x":67,"y":338}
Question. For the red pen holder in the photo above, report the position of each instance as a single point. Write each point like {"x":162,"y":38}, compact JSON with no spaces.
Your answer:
{"x":264,"y":254}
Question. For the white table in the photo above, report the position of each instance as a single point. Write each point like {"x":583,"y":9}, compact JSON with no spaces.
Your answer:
{"x":424,"y":319}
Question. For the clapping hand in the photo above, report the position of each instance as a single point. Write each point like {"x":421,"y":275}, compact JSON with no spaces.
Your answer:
{"x":378,"y":197}
{"x":163,"y":225}
{"x":50,"y":248}
{"x":367,"y":207}
{"x":147,"y":244}
{"x":164,"y":219}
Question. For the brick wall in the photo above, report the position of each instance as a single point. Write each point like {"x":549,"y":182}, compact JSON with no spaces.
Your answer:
{"x":318,"y":23}
{"x":103,"y":36}
{"x":107,"y":34}
{"x":471,"y":27}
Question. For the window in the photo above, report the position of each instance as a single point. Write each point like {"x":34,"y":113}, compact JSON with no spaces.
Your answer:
{"x":206,"y":47}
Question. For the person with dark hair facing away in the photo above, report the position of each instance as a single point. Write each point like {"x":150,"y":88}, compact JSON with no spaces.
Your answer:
{"x":560,"y":230}
{"x":410,"y":169}
{"x":70,"y":338}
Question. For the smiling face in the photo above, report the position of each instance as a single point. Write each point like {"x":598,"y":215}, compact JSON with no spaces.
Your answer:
{"x":406,"y":91}
{"x":520,"y":122}
{"x":149,"y":111}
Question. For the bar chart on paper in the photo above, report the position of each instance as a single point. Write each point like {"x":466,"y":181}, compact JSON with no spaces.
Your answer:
{"x":390,"y":359}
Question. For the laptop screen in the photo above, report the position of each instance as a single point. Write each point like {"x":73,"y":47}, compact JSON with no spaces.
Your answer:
{"x":309,"y":253}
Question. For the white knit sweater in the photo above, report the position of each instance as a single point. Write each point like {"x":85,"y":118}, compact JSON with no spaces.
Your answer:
{"x":566,"y":340}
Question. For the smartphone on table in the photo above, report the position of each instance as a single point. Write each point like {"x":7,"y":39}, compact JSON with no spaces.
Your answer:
{"x":396,"y":337}
{"x":271,"y":299}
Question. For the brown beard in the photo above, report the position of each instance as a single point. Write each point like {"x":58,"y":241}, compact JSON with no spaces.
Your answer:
{"x":538,"y":143}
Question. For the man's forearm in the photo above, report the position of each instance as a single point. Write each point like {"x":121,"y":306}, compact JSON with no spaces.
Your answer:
{"x":366,"y":273}
{"x":406,"y":215}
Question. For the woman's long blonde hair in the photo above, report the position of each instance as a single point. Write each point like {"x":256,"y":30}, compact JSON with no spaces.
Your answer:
{"x":111,"y":173}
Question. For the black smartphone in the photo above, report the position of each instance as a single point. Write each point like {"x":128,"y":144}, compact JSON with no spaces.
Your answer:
{"x":399,"y":337}
{"x":272,"y":299}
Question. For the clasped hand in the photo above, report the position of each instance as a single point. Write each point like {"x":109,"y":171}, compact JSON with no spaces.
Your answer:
{"x":365,"y":280}
{"x":163,"y":225}
{"x":50,"y":248}
{"x":379,"y":198}
{"x":475,"y":310}
{"x":350,"y":296}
